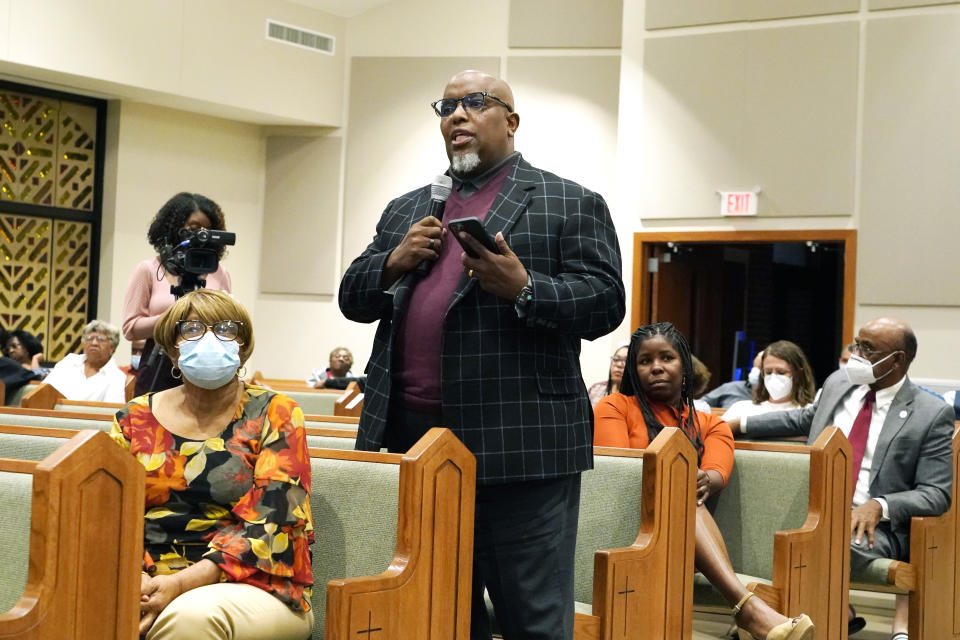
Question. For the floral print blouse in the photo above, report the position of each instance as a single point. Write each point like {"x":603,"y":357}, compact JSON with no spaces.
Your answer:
{"x":240,"y":499}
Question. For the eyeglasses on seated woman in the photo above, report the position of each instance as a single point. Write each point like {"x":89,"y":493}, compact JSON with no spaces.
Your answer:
{"x":227,"y":522}
{"x":657,"y":392}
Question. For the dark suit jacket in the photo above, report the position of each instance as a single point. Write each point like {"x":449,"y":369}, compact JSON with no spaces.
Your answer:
{"x":912,"y":466}
{"x":512,"y":390}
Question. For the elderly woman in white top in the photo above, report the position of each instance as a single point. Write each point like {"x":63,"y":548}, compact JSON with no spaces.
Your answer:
{"x":92,"y":375}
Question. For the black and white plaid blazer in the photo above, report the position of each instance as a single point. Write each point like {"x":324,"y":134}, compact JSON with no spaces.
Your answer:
{"x":512,"y":390}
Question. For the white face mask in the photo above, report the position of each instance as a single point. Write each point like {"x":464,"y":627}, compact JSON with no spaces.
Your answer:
{"x":778,"y":386}
{"x":859,"y":370}
{"x":754,"y":376}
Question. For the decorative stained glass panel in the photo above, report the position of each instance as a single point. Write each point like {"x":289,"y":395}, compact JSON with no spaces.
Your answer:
{"x":47,"y":151}
{"x":45,"y":280}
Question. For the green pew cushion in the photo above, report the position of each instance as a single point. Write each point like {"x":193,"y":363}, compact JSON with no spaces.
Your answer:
{"x":23,"y":447}
{"x":767,"y":492}
{"x":609,"y":515}
{"x":15,"y":496}
{"x":331,"y":442}
{"x":354,"y":507}
{"x":314,"y":403}
{"x":58,"y":423}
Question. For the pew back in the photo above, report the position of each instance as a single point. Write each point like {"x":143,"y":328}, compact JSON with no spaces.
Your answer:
{"x":16,"y":490}
{"x":31,"y":443}
{"x":767,"y":492}
{"x":423,"y":589}
{"x":54,"y":419}
{"x":610,"y":498}
{"x":86,"y":489}
{"x":354,"y":506}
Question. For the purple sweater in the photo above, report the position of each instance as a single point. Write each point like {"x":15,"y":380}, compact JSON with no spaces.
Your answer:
{"x":417,"y":374}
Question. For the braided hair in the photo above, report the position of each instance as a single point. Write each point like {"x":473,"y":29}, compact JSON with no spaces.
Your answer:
{"x":168,"y":223}
{"x":630,"y":386}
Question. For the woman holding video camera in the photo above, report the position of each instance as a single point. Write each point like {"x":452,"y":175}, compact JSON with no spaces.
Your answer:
{"x":148,"y":290}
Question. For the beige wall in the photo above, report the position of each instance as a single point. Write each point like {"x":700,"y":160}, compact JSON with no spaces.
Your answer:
{"x":889,"y":156}
{"x":161,"y":151}
{"x":210,"y":56}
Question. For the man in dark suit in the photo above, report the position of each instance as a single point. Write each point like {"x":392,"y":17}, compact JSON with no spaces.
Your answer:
{"x":489,"y":346}
{"x":901,"y":440}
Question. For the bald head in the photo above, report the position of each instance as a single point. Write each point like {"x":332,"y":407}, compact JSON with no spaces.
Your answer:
{"x":896,"y":335}
{"x":492,"y":84}
{"x":478,"y":137}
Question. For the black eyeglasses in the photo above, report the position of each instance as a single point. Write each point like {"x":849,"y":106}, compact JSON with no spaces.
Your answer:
{"x":225,"y":330}
{"x":473,"y":101}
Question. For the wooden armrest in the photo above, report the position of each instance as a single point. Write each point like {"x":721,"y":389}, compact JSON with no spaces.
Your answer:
{"x":43,"y":397}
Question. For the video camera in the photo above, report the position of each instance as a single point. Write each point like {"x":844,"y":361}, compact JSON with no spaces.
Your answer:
{"x":197,"y":254}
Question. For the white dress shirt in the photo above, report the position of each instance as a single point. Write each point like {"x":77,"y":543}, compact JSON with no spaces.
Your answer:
{"x":843,"y":418}
{"x":70,"y":378}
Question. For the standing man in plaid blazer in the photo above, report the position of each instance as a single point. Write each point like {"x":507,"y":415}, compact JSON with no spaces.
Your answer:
{"x":490,"y":346}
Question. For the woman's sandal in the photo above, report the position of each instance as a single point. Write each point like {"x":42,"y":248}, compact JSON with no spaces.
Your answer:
{"x":799,"y":628}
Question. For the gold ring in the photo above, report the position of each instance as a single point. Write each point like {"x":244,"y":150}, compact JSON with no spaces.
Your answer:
{"x":469,"y":273}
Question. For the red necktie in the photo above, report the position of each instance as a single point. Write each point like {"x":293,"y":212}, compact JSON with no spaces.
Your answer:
{"x":859,"y":433}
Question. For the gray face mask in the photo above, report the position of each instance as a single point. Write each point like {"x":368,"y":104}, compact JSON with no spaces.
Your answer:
{"x":859,"y":370}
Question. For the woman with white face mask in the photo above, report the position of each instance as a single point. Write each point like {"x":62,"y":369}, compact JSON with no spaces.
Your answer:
{"x":786,"y":382}
{"x":227,"y":515}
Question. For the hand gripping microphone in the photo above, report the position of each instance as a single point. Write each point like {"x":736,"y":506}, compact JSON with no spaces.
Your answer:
{"x":439,"y":192}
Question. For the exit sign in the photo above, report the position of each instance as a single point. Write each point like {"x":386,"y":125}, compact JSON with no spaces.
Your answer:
{"x":738,"y":203}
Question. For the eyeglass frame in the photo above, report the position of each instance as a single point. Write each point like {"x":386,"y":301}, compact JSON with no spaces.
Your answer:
{"x":95,"y":337}
{"x":210,"y":328}
{"x":616,"y":360}
{"x":460,"y":101}
{"x":870,"y":353}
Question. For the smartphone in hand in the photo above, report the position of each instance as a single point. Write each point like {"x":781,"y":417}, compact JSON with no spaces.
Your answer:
{"x":474,"y":228}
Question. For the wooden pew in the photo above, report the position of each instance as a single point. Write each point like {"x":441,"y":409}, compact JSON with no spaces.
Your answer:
{"x":426,"y":549}
{"x":285,"y":384}
{"x":932,"y":577}
{"x":86,"y":490}
{"x":423,"y":591}
{"x":643,"y":590}
{"x":43,"y":396}
{"x":350,"y":403}
{"x":52,"y":418}
{"x":331,"y":438}
{"x":809,"y":570}
{"x":17,"y":395}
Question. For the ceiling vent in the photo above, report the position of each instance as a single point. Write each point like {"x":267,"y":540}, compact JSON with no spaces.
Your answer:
{"x":300,"y":37}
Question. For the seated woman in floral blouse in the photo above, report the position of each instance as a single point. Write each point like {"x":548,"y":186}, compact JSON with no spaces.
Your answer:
{"x":227,"y":528}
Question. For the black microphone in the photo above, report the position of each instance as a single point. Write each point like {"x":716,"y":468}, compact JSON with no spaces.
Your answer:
{"x":439,"y":192}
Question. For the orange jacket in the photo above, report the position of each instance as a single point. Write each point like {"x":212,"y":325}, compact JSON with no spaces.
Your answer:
{"x":619,"y":423}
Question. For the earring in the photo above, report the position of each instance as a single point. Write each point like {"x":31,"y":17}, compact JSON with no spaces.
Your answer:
{"x":175,"y":373}
{"x":242,"y":372}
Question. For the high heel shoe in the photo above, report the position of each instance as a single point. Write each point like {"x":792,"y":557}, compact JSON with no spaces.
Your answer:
{"x":799,"y":628}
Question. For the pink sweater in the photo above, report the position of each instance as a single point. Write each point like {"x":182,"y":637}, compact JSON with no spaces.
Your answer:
{"x":148,"y":296}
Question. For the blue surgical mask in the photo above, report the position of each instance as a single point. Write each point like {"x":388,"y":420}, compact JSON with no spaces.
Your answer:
{"x":135,"y":361}
{"x":209,"y":362}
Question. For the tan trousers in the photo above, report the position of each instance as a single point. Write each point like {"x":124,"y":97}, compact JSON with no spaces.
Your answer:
{"x":230,"y":611}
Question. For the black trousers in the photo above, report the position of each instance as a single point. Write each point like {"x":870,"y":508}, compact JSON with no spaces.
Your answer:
{"x":525,"y":536}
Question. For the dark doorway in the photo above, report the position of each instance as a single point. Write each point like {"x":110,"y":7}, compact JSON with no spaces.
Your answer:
{"x":789,"y":290}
